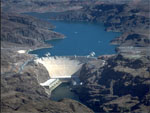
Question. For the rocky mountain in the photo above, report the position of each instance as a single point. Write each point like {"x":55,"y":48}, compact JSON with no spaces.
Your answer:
{"x":19,"y":6}
{"x":25,"y":31}
{"x":21,"y":91}
{"x":121,"y":85}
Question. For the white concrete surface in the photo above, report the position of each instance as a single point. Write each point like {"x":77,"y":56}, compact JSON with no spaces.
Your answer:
{"x":21,"y":51}
{"x":60,"y":67}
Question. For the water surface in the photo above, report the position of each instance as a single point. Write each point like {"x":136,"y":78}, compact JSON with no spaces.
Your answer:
{"x":63,"y":91}
{"x":81,"y":39}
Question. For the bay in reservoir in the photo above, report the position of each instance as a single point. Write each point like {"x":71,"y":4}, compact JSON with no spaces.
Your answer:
{"x":82,"y":38}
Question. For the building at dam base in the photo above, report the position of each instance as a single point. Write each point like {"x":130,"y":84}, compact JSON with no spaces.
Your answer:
{"x":51,"y":84}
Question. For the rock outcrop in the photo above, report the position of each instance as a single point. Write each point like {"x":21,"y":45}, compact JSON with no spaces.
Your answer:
{"x":18,"y":6}
{"x":21,"y":91}
{"x":121,"y":85}
{"x":26,"y":31}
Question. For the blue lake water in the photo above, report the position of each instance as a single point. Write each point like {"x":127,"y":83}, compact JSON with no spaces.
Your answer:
{"x":81,"y":39}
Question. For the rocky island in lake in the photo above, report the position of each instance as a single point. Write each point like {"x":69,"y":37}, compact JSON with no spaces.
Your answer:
{"x":73,"y":82}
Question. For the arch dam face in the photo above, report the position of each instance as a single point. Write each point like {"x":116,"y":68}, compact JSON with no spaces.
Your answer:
{"x":62,"y":67}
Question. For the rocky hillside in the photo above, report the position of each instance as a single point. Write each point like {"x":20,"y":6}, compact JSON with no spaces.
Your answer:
{"x":130,"y":19}
{"x":121,"y":85}
{"x":19,"y":6}
{"x":25,"y":31}
{"x":20,"y":89}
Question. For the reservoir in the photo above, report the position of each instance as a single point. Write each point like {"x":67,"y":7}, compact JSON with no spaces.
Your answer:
{"x":82,"y":38}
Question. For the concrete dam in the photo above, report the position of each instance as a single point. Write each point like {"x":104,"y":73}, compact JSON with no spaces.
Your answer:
{"x":61,"y":69}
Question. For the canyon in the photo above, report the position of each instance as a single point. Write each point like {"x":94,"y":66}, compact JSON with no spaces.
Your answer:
{"x":120,"y":85}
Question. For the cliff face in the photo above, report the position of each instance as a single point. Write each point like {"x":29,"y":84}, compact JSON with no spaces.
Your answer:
{"x":121,"y":85}
{"x":25,"y":31}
